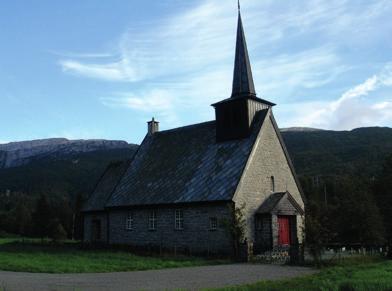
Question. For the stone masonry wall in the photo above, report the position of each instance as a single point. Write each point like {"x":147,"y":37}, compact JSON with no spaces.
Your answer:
{"x":195,"y":237}
{"x":88,"y":218}
{"x":263,"y":236}
{"x":267,"y":159}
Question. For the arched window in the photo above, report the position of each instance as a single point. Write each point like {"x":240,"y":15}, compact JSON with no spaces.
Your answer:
{"x":272,"y":181}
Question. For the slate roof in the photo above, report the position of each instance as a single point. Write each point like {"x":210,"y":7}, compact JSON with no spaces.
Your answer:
{"x":273,"y":200}
{"x":105,"y":186}
{"x":270,"y":203}
{"x":185,"y":165}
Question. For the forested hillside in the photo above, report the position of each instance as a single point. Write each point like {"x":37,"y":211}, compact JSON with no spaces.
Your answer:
{"x":52,"y":189}
{"x":65,"y":176}
{"x":360,"y":152}
{"x":340,"y":172}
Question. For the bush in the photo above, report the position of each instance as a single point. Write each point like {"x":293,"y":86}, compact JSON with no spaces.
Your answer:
{"x":58,"y":232}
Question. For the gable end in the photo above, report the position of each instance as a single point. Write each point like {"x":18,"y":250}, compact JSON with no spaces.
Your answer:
{"x":286,"y":153}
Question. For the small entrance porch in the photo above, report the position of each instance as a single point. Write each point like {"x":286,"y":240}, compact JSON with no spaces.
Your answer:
{"x":276,"y":223}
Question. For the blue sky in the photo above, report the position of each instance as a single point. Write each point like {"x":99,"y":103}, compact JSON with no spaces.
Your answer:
{"x":101,"y":69}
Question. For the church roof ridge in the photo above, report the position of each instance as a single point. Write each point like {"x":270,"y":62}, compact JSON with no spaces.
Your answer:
{"x":186,"y":127}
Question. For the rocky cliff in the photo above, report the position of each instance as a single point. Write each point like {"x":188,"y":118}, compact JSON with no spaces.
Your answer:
{"x":20,"y":153}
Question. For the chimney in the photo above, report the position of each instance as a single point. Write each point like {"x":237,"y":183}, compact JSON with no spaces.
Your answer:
{"x":152,"y":126}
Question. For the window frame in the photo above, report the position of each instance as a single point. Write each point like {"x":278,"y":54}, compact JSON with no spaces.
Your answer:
{"x":129,"y":221}
{"x":213,"y":221}
{"x":272,"y":184}
{"x":178,"y":219}
{"x":152,"y":220}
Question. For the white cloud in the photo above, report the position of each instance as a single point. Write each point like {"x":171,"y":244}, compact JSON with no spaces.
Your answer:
{"x":118,"y":71}
{"x":357,"y":107}
{"x":198,"y":40}
{"x":282,"y":75}
{"x":149,"y":102}
{"x":158,"y":103}
{"x":81,"y":55}
{"x":188,"y":59}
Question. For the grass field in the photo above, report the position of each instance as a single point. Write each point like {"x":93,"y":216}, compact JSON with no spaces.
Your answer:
{"x":363,"y":273}
{"x":31,"y":256}
{"x":346,"y":276}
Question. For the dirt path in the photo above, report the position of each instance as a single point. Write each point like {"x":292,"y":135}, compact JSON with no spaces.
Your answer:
{"x":193,"y":278}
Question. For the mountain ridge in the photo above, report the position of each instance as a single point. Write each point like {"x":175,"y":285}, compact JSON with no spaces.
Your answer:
{"x":359,"y":152}
{"x":300,"y":129}
{"x":312,"y":129}
{"x":19,"y":153}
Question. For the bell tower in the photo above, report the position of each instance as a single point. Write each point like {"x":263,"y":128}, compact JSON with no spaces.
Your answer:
{"x":234,"y":116}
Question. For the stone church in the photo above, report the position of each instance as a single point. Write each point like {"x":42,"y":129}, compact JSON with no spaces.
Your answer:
{"x":182,"y":184}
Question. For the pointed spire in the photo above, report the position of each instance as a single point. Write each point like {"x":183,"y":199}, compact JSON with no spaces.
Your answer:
{"x":242,"y":80}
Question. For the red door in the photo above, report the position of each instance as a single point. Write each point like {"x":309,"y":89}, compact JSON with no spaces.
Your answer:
{"x":284,"y":230}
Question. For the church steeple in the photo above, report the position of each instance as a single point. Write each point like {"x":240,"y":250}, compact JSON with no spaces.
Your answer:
{"x":242,"y":78}
{"x":235,"y":115}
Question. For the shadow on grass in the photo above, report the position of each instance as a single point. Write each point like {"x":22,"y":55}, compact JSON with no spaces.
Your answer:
{"x":31,"y":246}
{"x":47,"y":257}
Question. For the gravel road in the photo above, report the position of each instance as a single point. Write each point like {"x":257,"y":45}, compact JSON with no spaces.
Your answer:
{"x":193,"y":278}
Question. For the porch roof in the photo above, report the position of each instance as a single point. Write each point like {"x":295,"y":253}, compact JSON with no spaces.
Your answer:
{"x":270,"y":204}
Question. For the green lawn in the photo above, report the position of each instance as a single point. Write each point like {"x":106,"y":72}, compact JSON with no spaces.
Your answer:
{"x":31,"y":256}
{"x":344,"y":277}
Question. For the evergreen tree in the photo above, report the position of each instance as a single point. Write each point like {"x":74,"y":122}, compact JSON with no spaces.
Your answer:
{"x":57,"y":231}
{"x":64,"y":214}
{"x":383,"y":193}
{"x":236,"y":228}
{"x":23,"y":219}
{"x":42,"y":217}
{"x":358,"y":217}
{"x":77,"y":218}
{"x":317,"y":231}
{"x":341,"y":210}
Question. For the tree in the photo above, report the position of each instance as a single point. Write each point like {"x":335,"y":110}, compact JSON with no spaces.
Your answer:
{"x":383,"y":194}
{"x":57,"y":231}
{"x":236,"y":228}
{"x":77,"y":228}
{"x":318,"y":230}
{"x":42,"y":216}
{"x":341,"y":210}
{"x":22,"y":219}
{"x":63,"y":213}
{"x":357,"y":217}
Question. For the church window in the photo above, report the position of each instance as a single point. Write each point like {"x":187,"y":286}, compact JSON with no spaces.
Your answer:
{"x":179,"y":219}
{"x":129,"y":221}
{"x":152,"y":220}
{"x":213,"y":223}
{"x":272,"y":181}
